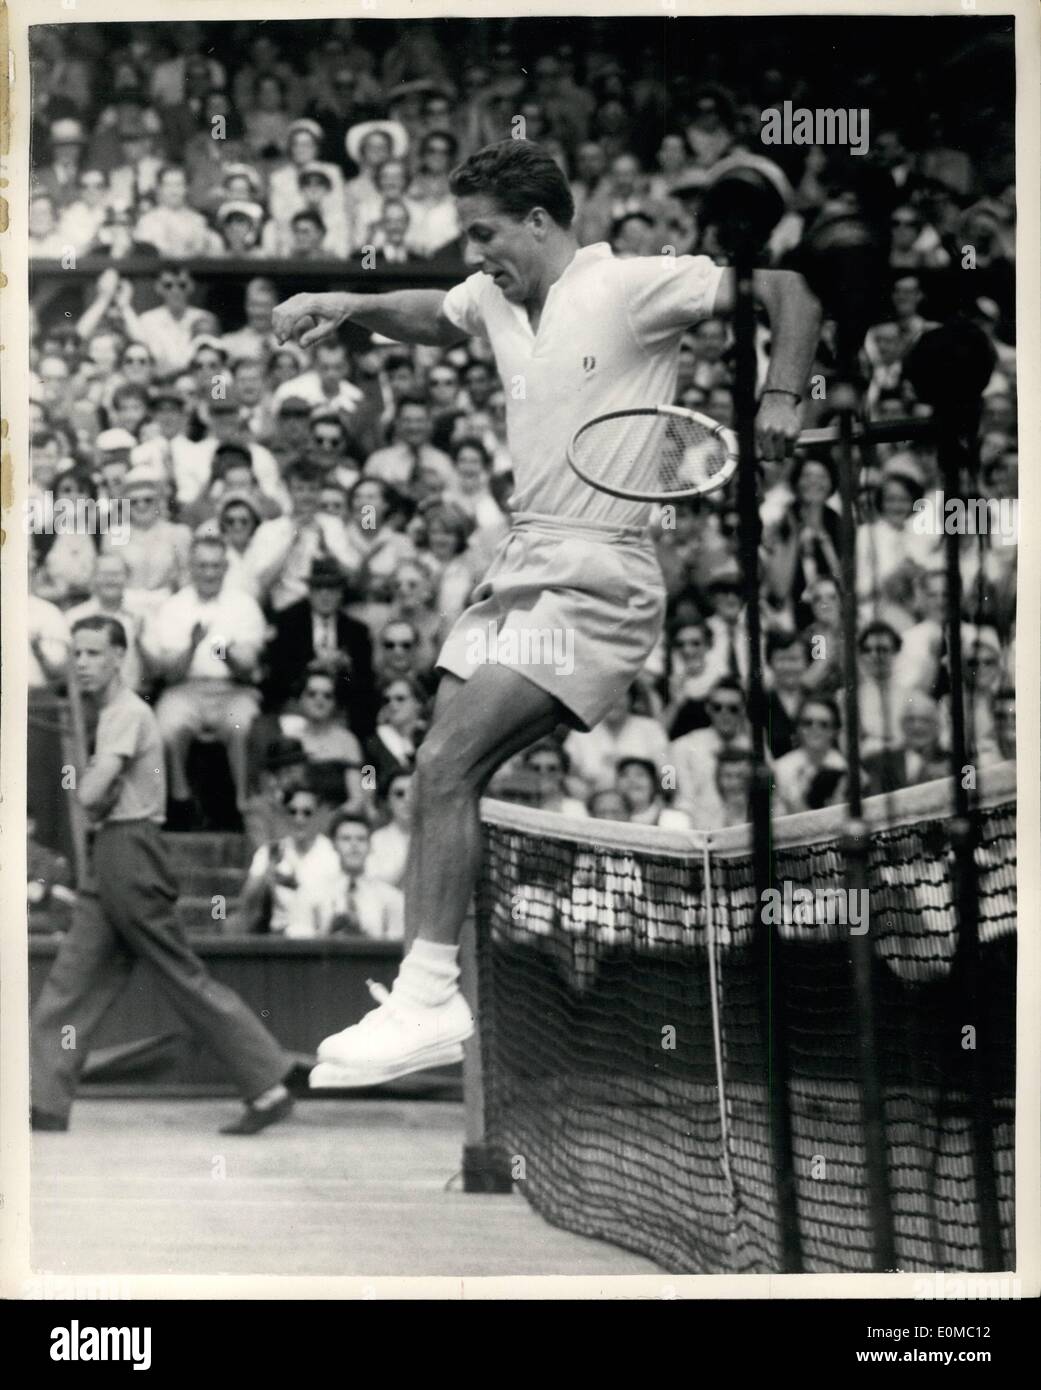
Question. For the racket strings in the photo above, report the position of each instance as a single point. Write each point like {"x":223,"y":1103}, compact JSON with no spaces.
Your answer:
{"x":655,"y":453}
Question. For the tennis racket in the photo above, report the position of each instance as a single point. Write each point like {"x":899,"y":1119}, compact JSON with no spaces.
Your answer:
{"x":690,"y":454}
{"x":657,"y":453}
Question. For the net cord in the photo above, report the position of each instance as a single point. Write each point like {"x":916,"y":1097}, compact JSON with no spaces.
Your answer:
{"x":717,"y":1025}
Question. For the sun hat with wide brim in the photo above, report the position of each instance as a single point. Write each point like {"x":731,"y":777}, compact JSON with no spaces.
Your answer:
{"x":240,"y":207}
{"x":394,"y":131}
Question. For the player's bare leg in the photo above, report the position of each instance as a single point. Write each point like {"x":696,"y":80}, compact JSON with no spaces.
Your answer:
{"x":424,"y":1021}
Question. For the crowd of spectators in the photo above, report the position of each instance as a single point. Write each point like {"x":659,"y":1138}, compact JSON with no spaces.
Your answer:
{"x":293,"y":532}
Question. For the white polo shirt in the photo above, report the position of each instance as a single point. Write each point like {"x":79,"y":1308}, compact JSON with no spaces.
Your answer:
{"x":608,"y":339}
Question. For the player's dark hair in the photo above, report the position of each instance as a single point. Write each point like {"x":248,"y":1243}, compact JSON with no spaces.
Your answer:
{"x":102,"y":622}
{"x":519,"y":175}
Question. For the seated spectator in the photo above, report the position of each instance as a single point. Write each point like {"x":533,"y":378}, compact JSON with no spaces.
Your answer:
{"x":812,"y":774}
{"x":472,"y":491}
{"x":109,"y":597}
{"x":733,"y":788}
{"x":402,"y":465}
{"x":984,"y":675}
{"x":281,"y":766}
{"x":286,"y":195}
{"x":881,"y":697}
{"x":256,"y":338}
{"x":399,"y":729}
{"x":727,"y":623}
{"x":787,"y":664}
{"x":638,"y":781}
{"x":282,"y":551}
{"x":694,"y":755}
{"x":918,"y":757}
{"x":921,"y":661}
{"x":891,"y":550}
{"x":204,"y":642}
{"x":390,"y":236}
{"x":266,"y":118}
{"x":307,"y":233}
{"x":330,"y":448}
{"x":46,"y":242}
{"x":168,"y":331}
{"x":550,"y":765}
{"x":693,"y":674}
{"x":67,"y":571}
{"x":825,"y":638}
{"x":318,"y":627}
{"x":226,"y":430}
{"x":326,"y":384}
{"x":239,"y":223}
{"x":376,"y":550}
{"x":49,"y":640}
{"x":804,"y":546}
{"x":435,"y":221}
{"x":1003,"y":716}
{"x":388,"y":848}
{"x":371,"y":145}
{"x":333,"y":753}
{"x":174,"y":228}
{"x":354,"y":904}
{"x":156,"y":553}
{"x":453,"y":567}
{"x":608,"y":804}
{"x":282,"y":870}
{"x":594,"y":755}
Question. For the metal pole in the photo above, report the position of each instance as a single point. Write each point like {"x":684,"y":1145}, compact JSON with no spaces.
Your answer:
{"x":952,"y":452}
{"x":855,"y":846}
{"x":774,"y":994}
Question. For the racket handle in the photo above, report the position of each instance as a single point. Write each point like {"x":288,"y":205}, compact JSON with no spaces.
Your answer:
{"x":876,"y":431}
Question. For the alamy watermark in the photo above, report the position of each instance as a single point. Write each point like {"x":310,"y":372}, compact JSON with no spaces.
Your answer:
{"x":938,"y":515}
{"x":791,"y":906}
{"x":526,"y":646}
{"x":47,"y":515}
{"x":801,"y":125}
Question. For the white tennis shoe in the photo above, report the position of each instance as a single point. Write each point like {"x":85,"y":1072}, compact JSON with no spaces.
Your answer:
{"x":394,"y":1039}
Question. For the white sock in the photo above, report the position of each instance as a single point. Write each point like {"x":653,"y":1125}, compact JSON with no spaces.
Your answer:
{"x":429,"y":974}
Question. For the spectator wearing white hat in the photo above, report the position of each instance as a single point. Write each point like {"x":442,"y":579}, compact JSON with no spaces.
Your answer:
{"x":60,"y":176}
{"x":370,"y":145}
{"x":156,"y":552}
{"x":174,"y":228}
{"x":285,"y":195}
{"x":239,"y":222}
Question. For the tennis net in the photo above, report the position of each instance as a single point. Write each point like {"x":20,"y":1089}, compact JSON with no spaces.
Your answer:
{"x":624,"y":1031}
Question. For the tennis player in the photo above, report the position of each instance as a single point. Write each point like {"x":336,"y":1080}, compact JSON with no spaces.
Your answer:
{"x":573,"y":601}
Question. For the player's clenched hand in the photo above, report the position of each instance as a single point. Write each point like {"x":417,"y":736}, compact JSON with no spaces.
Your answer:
{"x":310,"y":317}
{"x":777,"y":426}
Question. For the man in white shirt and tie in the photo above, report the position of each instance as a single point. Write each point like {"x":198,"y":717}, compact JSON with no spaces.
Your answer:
{"x":401,"y":465}
{"x":353,"y":904}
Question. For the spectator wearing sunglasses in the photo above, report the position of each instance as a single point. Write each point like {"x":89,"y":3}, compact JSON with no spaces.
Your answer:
{"x":281,"y":868}
{"x":551,"y":765}
{"x":694,"y":755}
{"x":693,"y":674}
{"x":400,"y":729}
{"x":168,"y":330}
{"x":812,"y":774}
{"x":388,"y":848}
{"x":883,"y":698}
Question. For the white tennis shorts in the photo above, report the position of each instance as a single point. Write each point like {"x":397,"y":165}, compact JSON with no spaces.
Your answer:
{"x":575,"y":607}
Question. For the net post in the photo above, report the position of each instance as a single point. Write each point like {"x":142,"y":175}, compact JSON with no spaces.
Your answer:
{"x":771,"y":948}
{"x":955,"y":451}
{"x":855,"y":848}
{"x":484,"y":1168}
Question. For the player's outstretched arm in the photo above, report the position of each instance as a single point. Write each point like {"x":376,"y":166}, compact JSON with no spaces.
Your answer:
{"x":407,"y":316}
{"x":795,"y":320}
